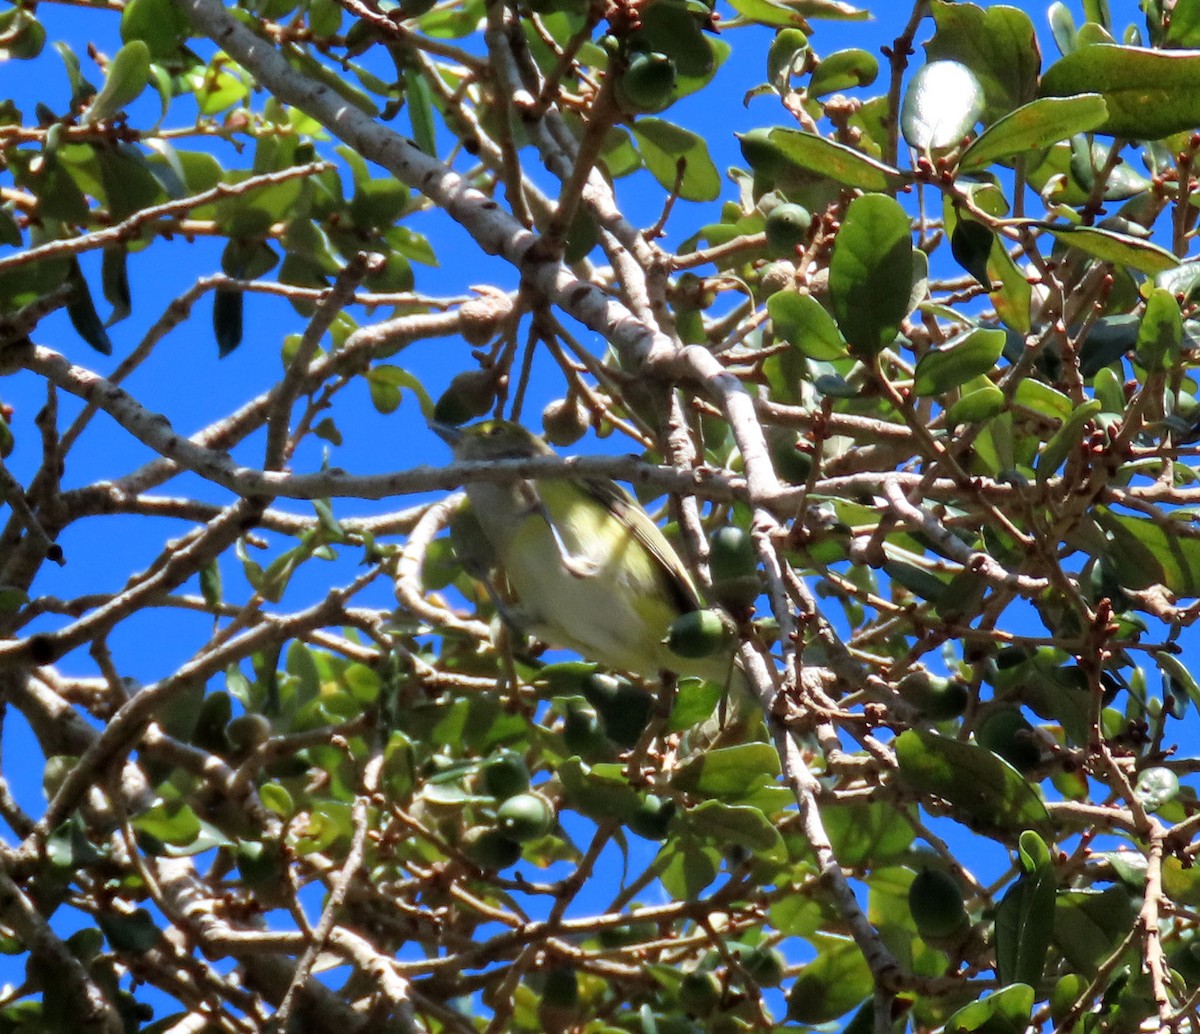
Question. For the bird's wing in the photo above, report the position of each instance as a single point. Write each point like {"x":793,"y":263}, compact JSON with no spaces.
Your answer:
{"x":675,"y":576}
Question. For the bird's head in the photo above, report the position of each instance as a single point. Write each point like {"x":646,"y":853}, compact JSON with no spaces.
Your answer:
{"x":492,"y":440}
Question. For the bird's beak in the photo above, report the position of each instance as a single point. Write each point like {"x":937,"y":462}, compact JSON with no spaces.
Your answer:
{"x":448,"y":433}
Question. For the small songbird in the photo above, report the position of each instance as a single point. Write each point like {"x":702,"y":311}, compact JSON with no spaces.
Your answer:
{"x":591,"y":571}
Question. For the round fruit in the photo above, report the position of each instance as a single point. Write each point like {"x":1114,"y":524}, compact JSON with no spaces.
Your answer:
{"x":653,"y":817}
{"x":1155,"y":787}
{"x":700,"y":633}
{"x":624,"y":708}
{"x":526,"y":816}
{"x":791,"y":463}
{"x":1008,"y":734}
{"x":938,"y":699}
{"x":564,"y":421}
{"x":559,"y":1008}
{"x":490,"y":849}
{"x":247,"y":731}
{"x":786,"y":227}
{"x":765,"y":966}
{"x":936,"y":904}
{"x":700,"y":992}
{"x":732,"y":564}
{"x":470,"y":394}
{"x":583,"y":732}
{"x":647,"y":83}
{"x":505,"y":775}
{"x":777,"y":276}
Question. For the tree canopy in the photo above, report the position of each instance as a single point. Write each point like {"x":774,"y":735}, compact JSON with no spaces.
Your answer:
{"x":917,"y":374}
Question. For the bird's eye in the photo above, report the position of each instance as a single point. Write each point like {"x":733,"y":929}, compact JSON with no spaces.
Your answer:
{"x":495,"y":430}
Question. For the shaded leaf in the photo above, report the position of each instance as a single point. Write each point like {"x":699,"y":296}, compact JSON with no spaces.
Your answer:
{"x":127,"y":76}
{"x":958,"y":361}
{"x":667,"y":148}
{"x":1025,"y":917}
{"x":1007,"y":1011}
{"x":976,"y":781}
{"x":803,"y":321}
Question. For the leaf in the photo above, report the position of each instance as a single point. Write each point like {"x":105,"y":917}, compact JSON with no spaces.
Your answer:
{"x":1118,"y":248}
{"x":740,"y":825}
{"x":1144,"y":554}
{"x":831,"y":985}
{"x":114,"y":280}
{"x":1034,"y":126}
{"x":1161,"y":331}
{"x":1007,"y":1011}
{"x":941,"y":106}
{"x":836,"y":161}
{"x":1025,"y":917}
{"x":1150,"y":93}
{"x":1089,"y":924}
{"x":871,"y":273}
{"x":227,"y":319}
{"x":775,"y":13}
{"x":82,"y":312}
{"x":958,"y":361}
{"x":977,"y":406}
{"x":420,"y":111}
{"x":802,"y":321}
{"x":728,"y":772}
{"x":874,"y":832}
{"x":1055,"y":452}
{"x":998,"y":44}
{"x":133,"y":932}
{"x":976,"y":781}
{"x":127,"y":76}
{"x":667,"y":148}
{"x":843,"y":70}
{"x":157,"y":23}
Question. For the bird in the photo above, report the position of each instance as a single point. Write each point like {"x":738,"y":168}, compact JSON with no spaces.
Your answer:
{"x":590,"y":569}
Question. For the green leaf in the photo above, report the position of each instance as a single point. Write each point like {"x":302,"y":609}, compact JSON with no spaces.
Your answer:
{"x":730,"y":824}
{"x":82,"y":312}
{"x":1145,"y":553}
{"x":973,"y":779}
{"x":227,"y":319}
{"x":134,"y":932}
{"x":843,"y":70}
{"x":831,"y":985}
{"x":871,"y":273}
{"x":687,"y":867}
{"x":1160,"y":333}
{"x":958,"y":361}
{"x":1034,"y":126}
{"x":1089,"y":924}
{"x":667,"y":149}
{"x":114,"y":281}
{"x":1025,"y":917}
{"x":1007,"y":1011}
{"x":729,"y":772}
{"x":127,"y":76}
{"x":1067,"y":438}
{"x":597,"y":794}
{"x":998,"y":44}
{"x":1118,"y":248}
{"x":802,"y":321}
{"x":157,"y":23}
{"x":812,"y":153}
{"x":941,"y":106}
{"x":1150,"y":93}
{"x":420,"y":111}
{"x":977,"y":406}
{"x":775,"y":13}
{"x":874,"y":832}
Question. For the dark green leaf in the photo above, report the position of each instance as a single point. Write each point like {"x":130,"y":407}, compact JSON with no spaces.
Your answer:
{"x":975,"y":780}
{"x":729,"y":824}
{"x":836,"y":981}
{"x":420,"y":111}
{"x":227,"y":319}
{"x":1144,"y":554}
{"x":729,"y":772}
{"x":1089,"y":924}
{"x":1118,"y":248}
{"x":82,"y":311}
{"x":1025,"y":916}
{"x":1160,"y":333}
{"x":135,"y":931}
{"x":958,"y":361}
{"x":843,"y":70}
{"x":114,"y":279}
{"x":871,"y":273}
{"x":806,"y":151}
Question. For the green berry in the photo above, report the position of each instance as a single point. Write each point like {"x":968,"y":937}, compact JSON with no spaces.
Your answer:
{"x":732,"y":564}
{"x":700,"y":993}
{"x":526,"y":816}
{"x":786,"y":227}
{"x":1006,"y":732}
{"x":505,"y":775}
{"x":938,"y":699}
{"x":647,"y":83}
{"x":653,"y":817}
{"x":699,"y":633}
{"x":490,"y":848}
{"x":936,"y":905}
